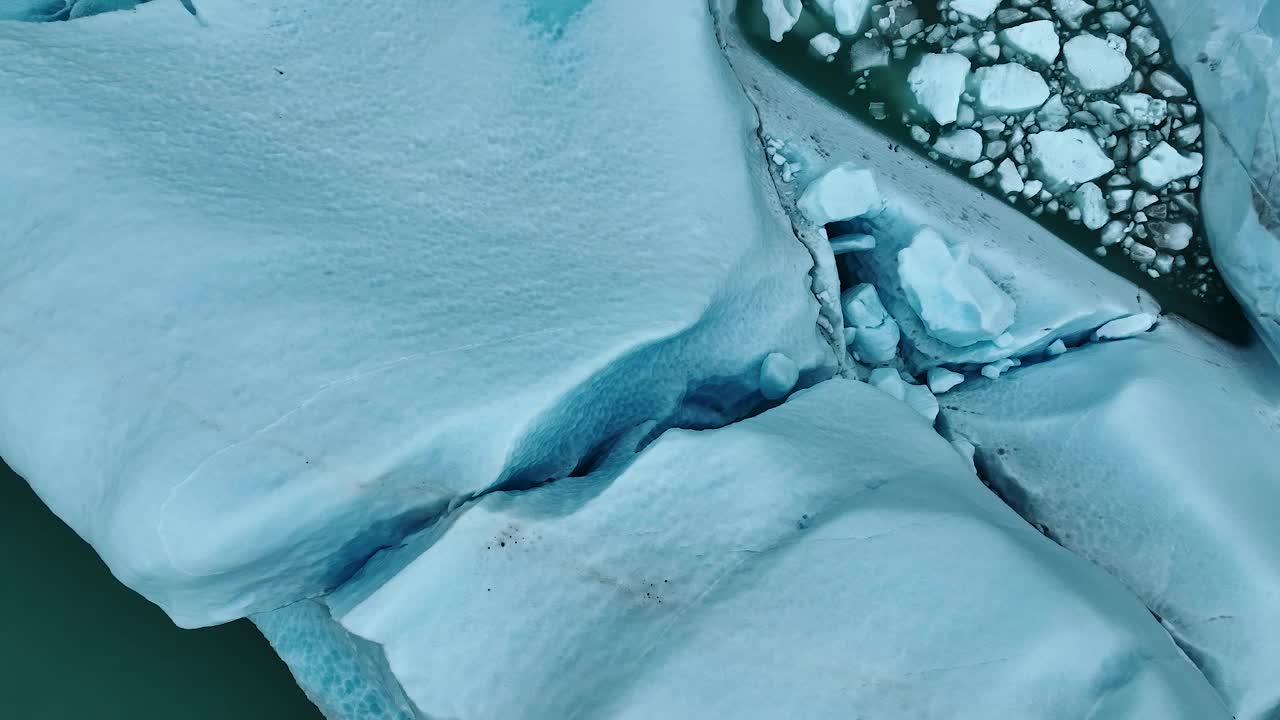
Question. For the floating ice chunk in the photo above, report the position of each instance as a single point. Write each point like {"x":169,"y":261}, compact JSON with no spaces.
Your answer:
{"x":977,"y":9}
{"x":963,"y":145}
{"x":1144,"y":110}
{"x":1056,"y":348}
{"x":844,"y":192}
{"x":1054,"y":115}
{"x":1167,"y":85}
{"x":1165,"y":164}
{"x":942,"y":380}
{"x":998,"y":368}
{"x":1071,"y":12}
{"x":778,"y":376}
{"x":888,"y":381}
{"x":856,"y":242}
{"x":981,"y":169}
{"x":868,"y":53}
{"x":877,"y":334}
{"x":920,"y":399}
{"x":1068,"y":158}
{"x":1010,"y":180}
{"x":849,"y":15}
{"x":1009,"y":88}
{"x":1171,"y":236}
{"x":1125,"y":327}
{"x":782,"y":16}
{"x":824,"y":45}
{"x":1036,"y":39}
{"x":1144,"y":40}
{"x":1032,"y":188}
{"x":955,"y":300}
{"x":937,"y":82}
{"x":1092,"y":205}
{"x":1095,"y":65}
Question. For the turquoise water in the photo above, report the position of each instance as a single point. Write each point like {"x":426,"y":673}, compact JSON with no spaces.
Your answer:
{"x":78,"y":645}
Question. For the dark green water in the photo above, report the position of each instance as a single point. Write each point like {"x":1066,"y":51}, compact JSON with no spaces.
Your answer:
{"x":1218,"y":312}
{"x":75,"y":644}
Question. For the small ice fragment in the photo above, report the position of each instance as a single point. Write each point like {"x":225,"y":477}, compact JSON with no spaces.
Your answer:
{"x":888,"y":381}
{"x":1068,"y":158}
{"x":1037,"y":40}
{"x":1167,"y":85}
{"x":1116,"y":22}
{"x":1165,"y":164}
{"x":1095,"y":65}
{"x":1144,"y":40}
{"x":1054,"y":115}
{"x":852,"y":243}
{"x":919,"y":398}
{"x":868,"y":53}
{"x":1125,"y":327}
{"x":977,"y":9}
{"x":1009,"y":88}
{"x":843,"y":192}
{"x":942,"y":380}
{"x":1070,"y":12}
{"x":1032,"y":188}
{"x":1056,"y":348}
{"x":782,"y":16}
{"x":1171,"y":236}
{"x":778,"y":376}
{"x":877,"y":336}
{"x":1143,"y":200}
{"x":919,"y":134}
{"x":980,"y":169}
{"x":1142,"y":253}
{"x":1113,"y":232}
{"x":824,"y":45}
{"x":937,"y":82}
{"x":1144,"y":110}
{"x":1188,"y":134}
{"x":955,"y":300}
{"x":1093,"y":207}
{"x":988,"y":47}
{"x":996,"y":369}
{"x":963,"y":145}
{"x":1009,"y":179}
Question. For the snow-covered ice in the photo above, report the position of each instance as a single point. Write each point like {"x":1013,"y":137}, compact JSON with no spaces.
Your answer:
{"x":1095,"y":65}
{"x":1067,"y":158}
{"x":1009,"y":89}
{"x":844,"y":191}
{"x":1165,"y":163}
{"x":1037,"y":40}
{"x":937,"y":82}
{"x":290,"y":330}
{"x":957,"y":302}
{"x":754,"y":601}
{"x":1155,"y":457}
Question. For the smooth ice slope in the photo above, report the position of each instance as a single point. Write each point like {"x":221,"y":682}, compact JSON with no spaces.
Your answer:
{"x":830,"y":558}
{"x":274,"y":295}
{"x":1157,"y":457}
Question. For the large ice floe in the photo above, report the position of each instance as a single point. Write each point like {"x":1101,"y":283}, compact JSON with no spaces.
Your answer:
{"x":289,"y":300}
{"x":615,"y":373}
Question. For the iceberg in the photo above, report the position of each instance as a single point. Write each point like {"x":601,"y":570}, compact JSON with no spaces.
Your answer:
{"x":253,"y":334}
{"x":743,"y":571}
{"x":1155,"y":457}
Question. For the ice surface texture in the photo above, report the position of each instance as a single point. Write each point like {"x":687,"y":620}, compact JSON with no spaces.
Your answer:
{"x":273,"y":297}
{"x":1231,"y":50}
{"x":833,"y":557}
{"x":1158,"y":458}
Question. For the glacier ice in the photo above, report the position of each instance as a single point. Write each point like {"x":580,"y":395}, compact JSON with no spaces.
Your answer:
{"x":956,"y":301}
{"x":842,"y":192}
{"x":1036,"y":39}
{"x":1094,"y":64}
{"x":743,"y":571}
{"x":307,"y":327}
{"x":1155,"y":457}
{"x":1009,"y":89}
{"x":937,"y":82}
